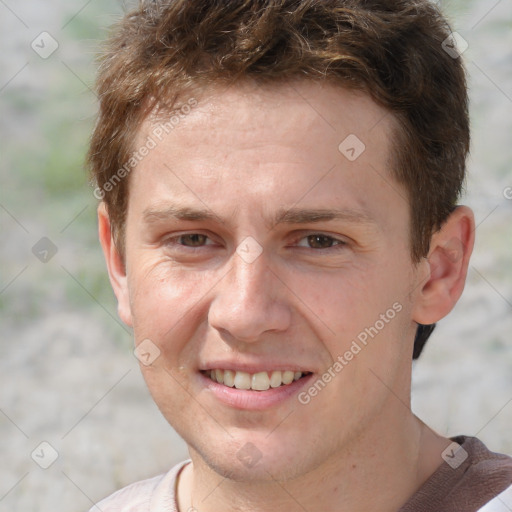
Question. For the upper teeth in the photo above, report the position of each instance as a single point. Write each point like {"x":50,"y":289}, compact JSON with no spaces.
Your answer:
{"x":260,"y":381}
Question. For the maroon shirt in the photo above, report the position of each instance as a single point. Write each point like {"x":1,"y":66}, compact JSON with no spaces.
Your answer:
{"x":480,"y":478}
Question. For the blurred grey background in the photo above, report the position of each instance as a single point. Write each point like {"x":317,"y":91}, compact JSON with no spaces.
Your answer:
{"x":68,"y":376}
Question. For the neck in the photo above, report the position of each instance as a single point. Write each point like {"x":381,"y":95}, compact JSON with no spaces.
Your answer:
{"x":380,"y":470}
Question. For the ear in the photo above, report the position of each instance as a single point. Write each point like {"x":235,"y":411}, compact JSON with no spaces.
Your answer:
{"x":446,"y":266}
{"x":115,"y":265}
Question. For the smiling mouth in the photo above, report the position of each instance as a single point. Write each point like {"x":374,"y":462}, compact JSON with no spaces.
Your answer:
{"x":260,"y":381}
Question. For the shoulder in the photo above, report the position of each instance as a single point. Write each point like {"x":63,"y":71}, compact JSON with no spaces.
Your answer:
{"x":501,"y":503}
{"x":490,"y":474}
{"x":143,"y":496}
{"x":470,"y":478}
{"x":133,"y":498}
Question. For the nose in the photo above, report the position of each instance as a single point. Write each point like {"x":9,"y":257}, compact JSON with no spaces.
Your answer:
{"x":250,"y":301}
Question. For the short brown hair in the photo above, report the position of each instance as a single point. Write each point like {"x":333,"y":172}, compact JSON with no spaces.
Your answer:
{"x":389,"y":49}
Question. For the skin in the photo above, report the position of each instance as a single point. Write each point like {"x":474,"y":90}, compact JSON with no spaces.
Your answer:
{"x":246,"y":155}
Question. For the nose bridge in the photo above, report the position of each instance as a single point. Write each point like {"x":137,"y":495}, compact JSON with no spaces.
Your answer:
{"x":248,"y":286}
{"x":248,"y":302}
{"x":249,"y":275}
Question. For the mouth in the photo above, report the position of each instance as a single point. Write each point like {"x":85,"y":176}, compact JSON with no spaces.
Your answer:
{"x":260,"y":381}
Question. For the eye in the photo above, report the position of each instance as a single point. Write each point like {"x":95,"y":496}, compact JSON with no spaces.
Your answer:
{"x":189,"y":240}
{"x":319,"y":241}
{"x":193,"y":240}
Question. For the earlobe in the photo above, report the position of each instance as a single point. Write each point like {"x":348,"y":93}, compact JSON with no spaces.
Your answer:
{"x":115,"y":265}
{"x":447,"y":265}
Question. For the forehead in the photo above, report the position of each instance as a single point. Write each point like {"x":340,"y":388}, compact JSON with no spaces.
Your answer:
{"x":299,"y":141}
{"x":290,"y":110}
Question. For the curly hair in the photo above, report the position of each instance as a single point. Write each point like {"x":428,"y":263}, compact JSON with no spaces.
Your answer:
{"x":391,"y":50}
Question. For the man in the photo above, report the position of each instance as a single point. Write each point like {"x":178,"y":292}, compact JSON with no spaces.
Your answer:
{"x":279,"y":184}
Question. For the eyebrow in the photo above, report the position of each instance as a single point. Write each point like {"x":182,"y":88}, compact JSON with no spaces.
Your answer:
{"x":307,"y":216}
{"x":151,"y":215}
{"x":284,"y":216}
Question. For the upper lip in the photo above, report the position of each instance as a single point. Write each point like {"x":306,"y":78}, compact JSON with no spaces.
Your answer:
{"x":253,"y":367}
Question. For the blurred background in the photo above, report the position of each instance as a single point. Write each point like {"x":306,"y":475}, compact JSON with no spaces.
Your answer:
{"x":71,"y":395}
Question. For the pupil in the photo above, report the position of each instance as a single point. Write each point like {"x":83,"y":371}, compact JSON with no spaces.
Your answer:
{"x":194,"y":240}
{"x":319,"y":241}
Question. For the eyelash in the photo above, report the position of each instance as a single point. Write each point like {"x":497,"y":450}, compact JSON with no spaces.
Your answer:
{"x":336,"y":242}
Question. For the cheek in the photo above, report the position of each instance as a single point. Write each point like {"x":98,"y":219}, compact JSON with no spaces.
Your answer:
{"x":363,"y":303}
{"x":341,"y":301}
{"x":166,"y":303}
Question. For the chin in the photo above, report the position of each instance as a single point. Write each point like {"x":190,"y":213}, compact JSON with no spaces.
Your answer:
{"x":255,"y":457}
{"x":265,"y":470}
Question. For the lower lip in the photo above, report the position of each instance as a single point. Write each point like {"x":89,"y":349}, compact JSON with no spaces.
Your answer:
{"x":248,"y":399}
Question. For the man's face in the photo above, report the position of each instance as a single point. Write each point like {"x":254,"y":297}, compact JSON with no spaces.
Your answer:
{"x":254,"y":244}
